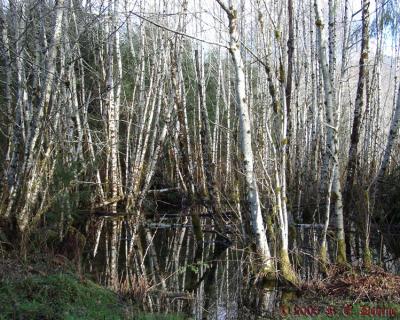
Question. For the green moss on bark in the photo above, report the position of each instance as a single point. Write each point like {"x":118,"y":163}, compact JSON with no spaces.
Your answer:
{"x":196,"y":223}
{"x":270,"y":228}
{"x":341,"y":252}
{"x":324,"y":255}
{"x":286,"y":269}
{"x":367,"y":257}
{"x":267,"y":274}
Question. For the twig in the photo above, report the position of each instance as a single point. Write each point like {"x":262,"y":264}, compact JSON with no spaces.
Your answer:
{"x":179,"y":32}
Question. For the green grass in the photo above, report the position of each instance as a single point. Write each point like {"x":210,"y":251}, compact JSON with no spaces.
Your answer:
{"x":64,"y":296}
{"x":58,"y":296}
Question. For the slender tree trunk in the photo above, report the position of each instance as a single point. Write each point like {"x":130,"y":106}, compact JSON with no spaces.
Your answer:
{"x":36,"y":124}
{"x":246,"y":141}
{"x":357,"y":119}
{"x":113,"y":100}
{"x":331,"y":165}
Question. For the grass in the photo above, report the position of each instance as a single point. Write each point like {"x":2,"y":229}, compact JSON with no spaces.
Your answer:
{"x":64,"y":296}
{"x":58,"y":296}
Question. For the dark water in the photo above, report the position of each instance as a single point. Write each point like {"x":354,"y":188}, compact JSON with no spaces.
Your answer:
{"x":217,"y":278}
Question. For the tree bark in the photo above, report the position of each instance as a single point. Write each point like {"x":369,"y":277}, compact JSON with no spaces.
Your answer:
{"x":253,"y":199}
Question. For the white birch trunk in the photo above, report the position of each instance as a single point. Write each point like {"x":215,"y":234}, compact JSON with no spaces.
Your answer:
{"x":332,"y":140}
{"x":393,"y":132}
{"x":246,"y":141}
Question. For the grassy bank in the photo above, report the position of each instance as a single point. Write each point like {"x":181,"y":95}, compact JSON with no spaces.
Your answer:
{"x":30,"y":293}
{"x":58,"y":296}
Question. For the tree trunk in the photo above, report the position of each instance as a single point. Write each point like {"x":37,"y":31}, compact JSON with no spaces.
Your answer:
{"x":357,"y":118}
{"x":253,"y":199}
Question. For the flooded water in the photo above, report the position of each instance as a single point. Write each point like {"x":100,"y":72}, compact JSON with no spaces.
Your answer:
{"x":164,"y":264}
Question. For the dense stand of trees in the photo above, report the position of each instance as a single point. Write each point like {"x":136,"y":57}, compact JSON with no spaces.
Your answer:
{"x":292,"y":106}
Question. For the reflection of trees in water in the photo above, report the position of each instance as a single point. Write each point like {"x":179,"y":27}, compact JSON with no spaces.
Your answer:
{"x":164,"y":272}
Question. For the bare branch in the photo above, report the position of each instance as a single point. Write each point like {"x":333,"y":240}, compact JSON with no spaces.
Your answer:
{"x":225,"y":8}
{"x":180,"y":33}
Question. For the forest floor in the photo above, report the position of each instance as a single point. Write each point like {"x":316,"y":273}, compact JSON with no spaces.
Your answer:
{"x":373,"y":284}
{"x":346,"y":294}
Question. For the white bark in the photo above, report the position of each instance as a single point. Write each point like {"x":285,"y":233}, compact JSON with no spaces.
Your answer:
{"x":331,"y":166}
{"x":393,"y":132}
{"x":246,"y":140}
